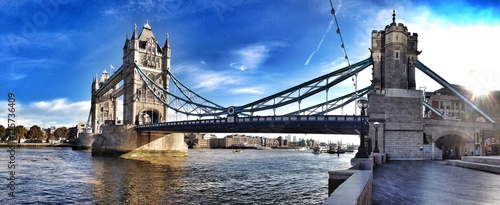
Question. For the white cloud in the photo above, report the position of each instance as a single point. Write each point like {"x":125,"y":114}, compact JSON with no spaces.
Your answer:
{"x":252,"y":56}
{"x":57,"y":112}
{"x":208,"y":81}
{"x":453,"y":48}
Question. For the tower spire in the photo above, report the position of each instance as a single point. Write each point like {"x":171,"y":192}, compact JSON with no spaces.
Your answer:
{"x":134,"y":35}
{"x":167,"y":44}
{"x":394,"y":16}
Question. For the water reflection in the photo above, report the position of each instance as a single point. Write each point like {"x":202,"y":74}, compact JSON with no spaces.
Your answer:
{"x":136,"y":181}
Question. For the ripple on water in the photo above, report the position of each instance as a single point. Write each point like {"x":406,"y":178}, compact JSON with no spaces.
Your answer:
{"x":63,"y":176}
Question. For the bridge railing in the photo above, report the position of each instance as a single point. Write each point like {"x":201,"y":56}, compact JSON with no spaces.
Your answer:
{"x":256,"y":119}
{"x":301,"y":118}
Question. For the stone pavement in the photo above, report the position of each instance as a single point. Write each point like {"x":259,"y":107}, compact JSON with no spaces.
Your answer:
{"x":433,"y":182}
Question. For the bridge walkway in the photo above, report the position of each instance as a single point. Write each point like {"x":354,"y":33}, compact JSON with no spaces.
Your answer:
{"x":433,"y":182}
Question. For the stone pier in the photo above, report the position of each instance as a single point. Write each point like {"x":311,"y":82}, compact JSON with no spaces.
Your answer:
{"x":84,"y":141}
{"x":125,"y":141}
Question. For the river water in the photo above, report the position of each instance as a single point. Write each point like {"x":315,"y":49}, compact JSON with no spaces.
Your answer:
{"x":207,"y":176}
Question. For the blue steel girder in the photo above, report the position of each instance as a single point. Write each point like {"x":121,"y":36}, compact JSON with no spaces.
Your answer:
{"x":448,"y":86}
{"x":179,"y":104}
{"x":328,"y":106}
{"x":189,"y":94}
{"x":313,"y":87}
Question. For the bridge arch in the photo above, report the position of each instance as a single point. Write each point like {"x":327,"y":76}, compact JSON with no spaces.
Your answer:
{"x":453,"y":143}
{"x":148,"y":116}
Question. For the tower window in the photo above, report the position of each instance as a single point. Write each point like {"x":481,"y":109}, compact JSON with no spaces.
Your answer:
{"x":397,"y":55}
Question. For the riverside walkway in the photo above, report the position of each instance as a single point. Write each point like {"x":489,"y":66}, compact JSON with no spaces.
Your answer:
{"x":433,"y":182}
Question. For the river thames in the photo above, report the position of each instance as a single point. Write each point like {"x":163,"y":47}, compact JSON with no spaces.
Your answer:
{"x":206,"y":176}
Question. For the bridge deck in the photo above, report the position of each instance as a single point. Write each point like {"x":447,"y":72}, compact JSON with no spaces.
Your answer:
{"x":324,"y":124}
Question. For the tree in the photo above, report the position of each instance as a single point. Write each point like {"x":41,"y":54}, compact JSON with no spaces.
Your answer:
{"x":35,"y":132}
{"x":20,"y":132}
{"x":2,"y":132}
{"x":61,"y":132}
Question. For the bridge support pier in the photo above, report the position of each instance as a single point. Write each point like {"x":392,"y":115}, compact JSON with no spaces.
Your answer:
{"x":125,"y":141}
{"x":85,"y":141}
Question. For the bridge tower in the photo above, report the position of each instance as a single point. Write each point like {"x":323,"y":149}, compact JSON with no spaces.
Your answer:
{"x":103,"y":108}
{"x":139,"y":104}
{"x":394,"y":102}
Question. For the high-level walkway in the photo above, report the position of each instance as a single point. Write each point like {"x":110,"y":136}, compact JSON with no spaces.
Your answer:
{"x":433,"y":182}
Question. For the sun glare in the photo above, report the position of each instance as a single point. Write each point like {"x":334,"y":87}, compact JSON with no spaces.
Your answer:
{"x":480,"y":90}
{"x":479,"y":85}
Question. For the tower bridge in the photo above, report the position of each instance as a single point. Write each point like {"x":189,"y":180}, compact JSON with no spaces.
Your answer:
{"x":395,"y":105}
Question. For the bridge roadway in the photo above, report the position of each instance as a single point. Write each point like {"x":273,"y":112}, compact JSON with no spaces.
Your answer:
{"x":309,"y":124}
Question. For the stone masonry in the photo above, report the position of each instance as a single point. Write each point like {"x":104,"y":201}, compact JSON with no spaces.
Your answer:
{"x":394,"y":102}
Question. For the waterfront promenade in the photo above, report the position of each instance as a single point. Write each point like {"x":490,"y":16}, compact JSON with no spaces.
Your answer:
{"x":433,"y":182}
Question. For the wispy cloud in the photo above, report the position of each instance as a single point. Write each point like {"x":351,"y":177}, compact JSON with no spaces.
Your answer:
{"x":208,"y":81}
{"x":38,"y":40}
{"x":229,"y":81}
{"x":252,"y":56}
{"x":320,"y":42}
{"x":248,"y":90}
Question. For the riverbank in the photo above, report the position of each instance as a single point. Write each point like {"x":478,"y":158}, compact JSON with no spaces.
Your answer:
{"x":35,"y":145}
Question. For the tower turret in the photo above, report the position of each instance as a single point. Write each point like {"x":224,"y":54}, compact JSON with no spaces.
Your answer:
{"x":395,"y":103}
{"x":394,"y":53}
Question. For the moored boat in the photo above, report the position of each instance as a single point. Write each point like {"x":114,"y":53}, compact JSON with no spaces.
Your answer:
{"x":319,"y":150}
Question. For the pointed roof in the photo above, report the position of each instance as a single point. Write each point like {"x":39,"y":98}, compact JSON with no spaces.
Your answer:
{"x":104,"y":76}
{"x":146,"y":32}
{"x":167,"y":44}
{"x":126,"y":42}
{"x":134,"y":35}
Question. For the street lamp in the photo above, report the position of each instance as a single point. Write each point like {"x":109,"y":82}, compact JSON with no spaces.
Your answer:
{"x":362,"y":104}
{"x":375,"y":150}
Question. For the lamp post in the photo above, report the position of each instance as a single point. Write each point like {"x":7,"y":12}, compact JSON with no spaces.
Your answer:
{"x":375,"y":150}
{"x":363,"y":104}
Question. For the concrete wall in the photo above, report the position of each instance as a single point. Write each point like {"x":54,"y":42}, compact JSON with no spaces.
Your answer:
{"x":125,"y":141}
{"x":350,"y":187}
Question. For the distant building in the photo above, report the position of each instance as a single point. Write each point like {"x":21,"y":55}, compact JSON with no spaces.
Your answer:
{"x":453,"y":107}
{"x":74,"y":132}
{"x":201,"y":140}
{"x":235,"y":140}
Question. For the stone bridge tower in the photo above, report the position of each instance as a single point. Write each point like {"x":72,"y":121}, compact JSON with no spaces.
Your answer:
{"x":394,"y":102}
{"x":139,"y":104}
{"x":103,"y":108}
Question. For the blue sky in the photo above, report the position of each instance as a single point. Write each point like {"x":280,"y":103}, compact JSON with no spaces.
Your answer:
{"x":231,"y":52}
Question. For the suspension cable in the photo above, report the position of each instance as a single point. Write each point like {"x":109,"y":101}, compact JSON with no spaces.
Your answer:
{"x":340,"y":35}
{"x":345,"y":51}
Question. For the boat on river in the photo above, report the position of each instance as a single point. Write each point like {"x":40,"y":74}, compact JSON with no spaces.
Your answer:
{"x":237,"y":151}
{"x":336,"y":148}
{"x":264,"y":148}
{"x":319,"y":150}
